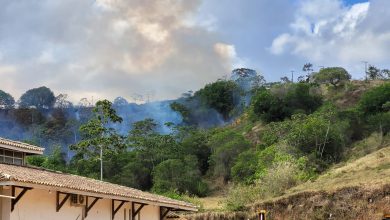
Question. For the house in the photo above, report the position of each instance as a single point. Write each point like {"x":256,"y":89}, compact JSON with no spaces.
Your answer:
{"x":30,"y":193}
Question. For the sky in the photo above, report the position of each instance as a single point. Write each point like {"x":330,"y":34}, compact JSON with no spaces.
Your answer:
{"x":162,"y":48}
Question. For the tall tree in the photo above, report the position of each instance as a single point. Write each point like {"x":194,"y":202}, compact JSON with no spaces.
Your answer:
{"x":374,"y":73}
{"x":40,"y":98}
{"x":99,"y":139}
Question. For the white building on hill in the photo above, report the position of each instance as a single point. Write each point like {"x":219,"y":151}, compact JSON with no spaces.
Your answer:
{"x":30,"y":193}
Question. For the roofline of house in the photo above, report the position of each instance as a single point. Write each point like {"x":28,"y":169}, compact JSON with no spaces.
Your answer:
{"x":29,"y":151}
{"x":100,"y":195}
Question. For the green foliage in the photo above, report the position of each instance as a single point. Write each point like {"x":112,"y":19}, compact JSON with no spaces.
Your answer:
{"x":280,"y":177}
{"x":226,"y":146}
{"x":36,"y":160}
{"x":333,"y":75}
{"x":132,"y":171}
{"x":179,"y":176}
{"x":40,"y":98}
{"x":152,"y":147}
{"x":268,"y":107}
{"x":321,"y":133}
{"x":374,"y":73}
{"x":245,"y":167}
{"x":302,"y":97}
{"x":241,"y":195}
{"x":98,"y":138}
{"x":375,"y":100}
{"x":220,"y":96}
{"x":54,"y":161}
{"x":195,"y":143}
{"x":379,"y":123}
{"x":284,"y":101}
{"x":6,"y":100}
{"x":182,"y":110}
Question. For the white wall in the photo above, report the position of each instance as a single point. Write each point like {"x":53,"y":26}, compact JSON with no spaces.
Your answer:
{"x":40,"y":204}
{"x":5,"y":204}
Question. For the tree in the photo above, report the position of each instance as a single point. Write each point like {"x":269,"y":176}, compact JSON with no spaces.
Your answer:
{"x":152,"y":147}
{"x":374,"y":100}
{"x":245,"y":167}
{"x":220,"y":96}
{"x":99,"y":139}
{"x":120,"y":101}
{"x":336,"y":76}
{"x":268,"y":106}
{"x":302,"y":97}
{"x":136,"y":173}
{"x":176,"y":175}
{"x":226,"y":146}
{"x":6,"y":100}
{"x":62,"y":102}
{"x":182,"y":110}
{"x":54,"y":161}
{"x":40,"y":98}
{"x":285,"y":79}
{"x":195,"y":143}
{"x":321,"y":133}
{"x":308,"y":67}
{"x":374,"y":73}
{"x":385,"y":73}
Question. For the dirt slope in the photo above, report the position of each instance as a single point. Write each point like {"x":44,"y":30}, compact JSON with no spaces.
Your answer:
{"x":355,"y":190}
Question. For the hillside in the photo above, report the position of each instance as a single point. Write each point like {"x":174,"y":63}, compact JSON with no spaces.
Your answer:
{"x":231,"y":144}
{"x":358,"y":189}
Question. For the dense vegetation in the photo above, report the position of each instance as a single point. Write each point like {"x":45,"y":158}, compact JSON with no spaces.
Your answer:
{"x":284,"y":134}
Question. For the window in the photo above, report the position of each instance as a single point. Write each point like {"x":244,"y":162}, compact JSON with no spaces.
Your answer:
{"x":11,"y":157}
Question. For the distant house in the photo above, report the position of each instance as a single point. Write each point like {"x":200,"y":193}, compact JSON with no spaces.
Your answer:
{"x":30,"y":193}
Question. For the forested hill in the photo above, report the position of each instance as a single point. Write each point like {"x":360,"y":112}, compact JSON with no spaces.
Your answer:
{"x":240,"y":136}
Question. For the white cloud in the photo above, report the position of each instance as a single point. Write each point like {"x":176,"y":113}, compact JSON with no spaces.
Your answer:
{"x":108,"y":48}
{"x":331,"y":33}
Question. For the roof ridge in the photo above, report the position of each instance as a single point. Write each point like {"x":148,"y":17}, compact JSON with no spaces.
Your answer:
{"x":20,"y":144}
{"x":9,"y":177}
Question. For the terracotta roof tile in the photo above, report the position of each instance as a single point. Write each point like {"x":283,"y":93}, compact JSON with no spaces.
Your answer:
{"x":73,"y":182}
{"x":21,"y":146}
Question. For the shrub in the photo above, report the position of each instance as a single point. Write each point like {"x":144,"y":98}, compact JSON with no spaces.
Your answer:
{"x":244,"y":169}
{"x":375,"y":100}
{"x":226,"y":146}
{"x":280,"y":177}
{"x":178,"y":175}
{"x":241,"y":195}
{"x":284,"y":101}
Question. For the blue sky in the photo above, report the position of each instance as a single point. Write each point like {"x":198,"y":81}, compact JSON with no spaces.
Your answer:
{"x":162,"y":48}
{"x":351,"y":2}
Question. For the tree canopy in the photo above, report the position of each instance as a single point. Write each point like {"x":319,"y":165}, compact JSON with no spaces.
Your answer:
{"x":333,"y":75}
{"x":40,"y":98}
{"x":6,"y":100}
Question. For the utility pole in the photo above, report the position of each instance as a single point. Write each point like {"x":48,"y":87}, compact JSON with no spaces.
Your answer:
{"x":292,"y":76}
{"x":101,"y":163}
{"x":365,"y":68}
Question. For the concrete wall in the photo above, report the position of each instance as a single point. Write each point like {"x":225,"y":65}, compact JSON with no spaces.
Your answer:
{"x":40,"y":204}
{"x":5,"y":204}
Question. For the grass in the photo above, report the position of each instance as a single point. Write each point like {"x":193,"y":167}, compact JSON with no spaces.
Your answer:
{"x":369,"y":171}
